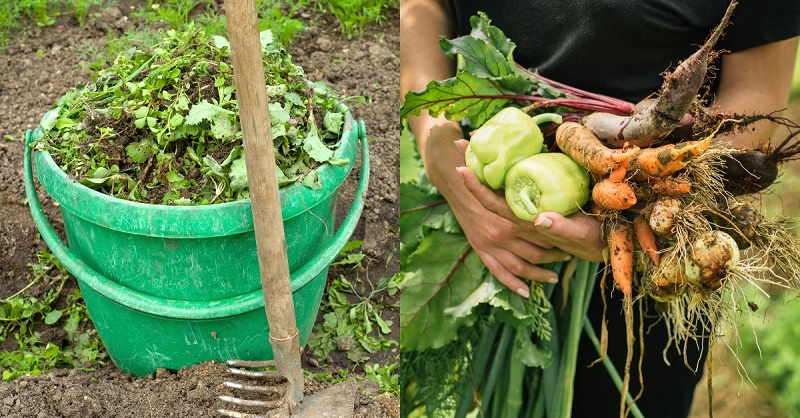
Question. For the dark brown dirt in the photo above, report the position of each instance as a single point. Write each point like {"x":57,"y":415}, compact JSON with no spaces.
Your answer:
{"x":44,"y":63}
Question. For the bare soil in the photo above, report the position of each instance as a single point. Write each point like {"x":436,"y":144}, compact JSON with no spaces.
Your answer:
{"x":42,"y":64}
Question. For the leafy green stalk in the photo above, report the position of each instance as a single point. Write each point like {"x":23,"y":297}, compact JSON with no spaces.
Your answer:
{"x":580,"y":294}
{"x":610,"y":368}
{"x":502,"y":354}
{"x":514,"y":398}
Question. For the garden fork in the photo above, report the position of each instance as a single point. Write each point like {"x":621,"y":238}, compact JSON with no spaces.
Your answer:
{"x":248,"y":72}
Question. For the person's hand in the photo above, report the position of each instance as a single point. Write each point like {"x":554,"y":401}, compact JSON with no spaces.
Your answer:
{"x":511,"y":248}
{"x":527,"y":243}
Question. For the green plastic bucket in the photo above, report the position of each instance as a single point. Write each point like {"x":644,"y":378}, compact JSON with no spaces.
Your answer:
{"x":170,"y":286}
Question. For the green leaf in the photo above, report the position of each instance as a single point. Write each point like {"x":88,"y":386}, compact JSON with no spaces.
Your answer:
{"x":140,"y":151}
{"x":383,"y":325}
{"x":222,"y":127}
{"x":482,"y":29}
{"x":421,"y":211}
{"x":62,"y":123}
{"x":339,"y":162}
{"x":333,"y":122}
{"x":278,"y":131}
{"x":238,"y":174}
{"x":351,"y":245}
{"x":278,"y":114}
{"x":294,"y":99}
{"x":49,"y":119}
{"x":311,"y":180}
{"x":442,"y":273}
{"x":276,"y":91}
{"x":204,"y":111}
{"x":214,"y":166}
{"x":221,"y":42}
{"x":483,"y":294}
{"x":176,"y":120}
{"x":141,"y":112}
{"x":266,"y":38}
{"x":174,"y":177}
{"x":314,"y":146}
{"x":479,"y":58}
{"x":350,"y":259}
{"x":183,"y":201}
{"x":487,"y":80}
{"x":530,"y":354}
{"x":462,"y":97}
{"x":101,"y":172}
{"x":282,"y":179}
{"x":235,"y":153}
{"x":410,"y":163}
{"x":53,"y":316}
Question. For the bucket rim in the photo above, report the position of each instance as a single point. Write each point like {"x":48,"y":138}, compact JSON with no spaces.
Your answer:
{"x":202,"y":221}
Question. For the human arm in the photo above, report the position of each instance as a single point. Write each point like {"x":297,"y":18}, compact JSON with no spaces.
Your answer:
{"x":757,"y":80}
{"x":509,"y":247}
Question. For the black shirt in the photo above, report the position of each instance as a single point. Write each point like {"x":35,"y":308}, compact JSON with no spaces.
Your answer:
{"x":622,"y":47}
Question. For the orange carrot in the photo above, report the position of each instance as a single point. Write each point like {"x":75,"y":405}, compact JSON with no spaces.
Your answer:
{"x":611,"y":195}
{"x":620,"y":246}
{"x":618,"y":174}
{"x":667,"y":186}
{"x":584,"y":147}
{"x":597,"y":212}
{"x":667,"y":159}
{"x":646,"y":239}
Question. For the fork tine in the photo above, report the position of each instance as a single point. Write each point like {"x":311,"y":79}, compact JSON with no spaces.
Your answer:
{"x":251,"y":363}
{"x":234,"y":414}
{"x":251,"y":388}
{"x":269,"y":374}
{"x":250,"y":402}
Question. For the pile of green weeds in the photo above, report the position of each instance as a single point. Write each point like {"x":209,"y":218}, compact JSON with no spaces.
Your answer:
{"x":161,"y":124}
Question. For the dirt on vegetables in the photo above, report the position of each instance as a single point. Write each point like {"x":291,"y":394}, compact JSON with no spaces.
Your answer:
{"x":41,"y":64}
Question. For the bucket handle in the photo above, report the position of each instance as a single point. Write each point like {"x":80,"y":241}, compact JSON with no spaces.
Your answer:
{"x":189,"y":310}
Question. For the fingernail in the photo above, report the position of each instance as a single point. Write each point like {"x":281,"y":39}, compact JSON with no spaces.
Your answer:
{"x":543,"y":222}
{"x":524,"y":292}
{"x":568,"y":257}
{"x":552,"y":280}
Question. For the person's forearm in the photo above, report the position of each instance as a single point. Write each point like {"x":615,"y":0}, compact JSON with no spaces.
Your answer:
{"x":422,"y":24}
{"x":757,"y":81}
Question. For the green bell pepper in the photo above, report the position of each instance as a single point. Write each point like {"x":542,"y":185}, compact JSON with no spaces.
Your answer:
{"x":547,"y":182}
{"x":505,"y":139}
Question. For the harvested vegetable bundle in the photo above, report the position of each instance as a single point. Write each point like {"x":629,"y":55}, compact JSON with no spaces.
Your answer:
{"x":675,"y":200}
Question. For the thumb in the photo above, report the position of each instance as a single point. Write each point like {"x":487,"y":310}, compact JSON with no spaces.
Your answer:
{"x":577,"y":228}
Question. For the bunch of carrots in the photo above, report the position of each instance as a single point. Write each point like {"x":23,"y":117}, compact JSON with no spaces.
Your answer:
{"x":676,"y":205}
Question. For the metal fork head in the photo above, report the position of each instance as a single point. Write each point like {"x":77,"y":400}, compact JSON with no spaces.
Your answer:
{"x":279,"y":401}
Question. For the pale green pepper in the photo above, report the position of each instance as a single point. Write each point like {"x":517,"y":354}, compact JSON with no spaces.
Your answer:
{"x":547,"y":182}
{"x":505,"y":139}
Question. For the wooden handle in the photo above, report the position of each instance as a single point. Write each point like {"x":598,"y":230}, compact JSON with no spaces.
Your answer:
{"x":251,"y":93}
